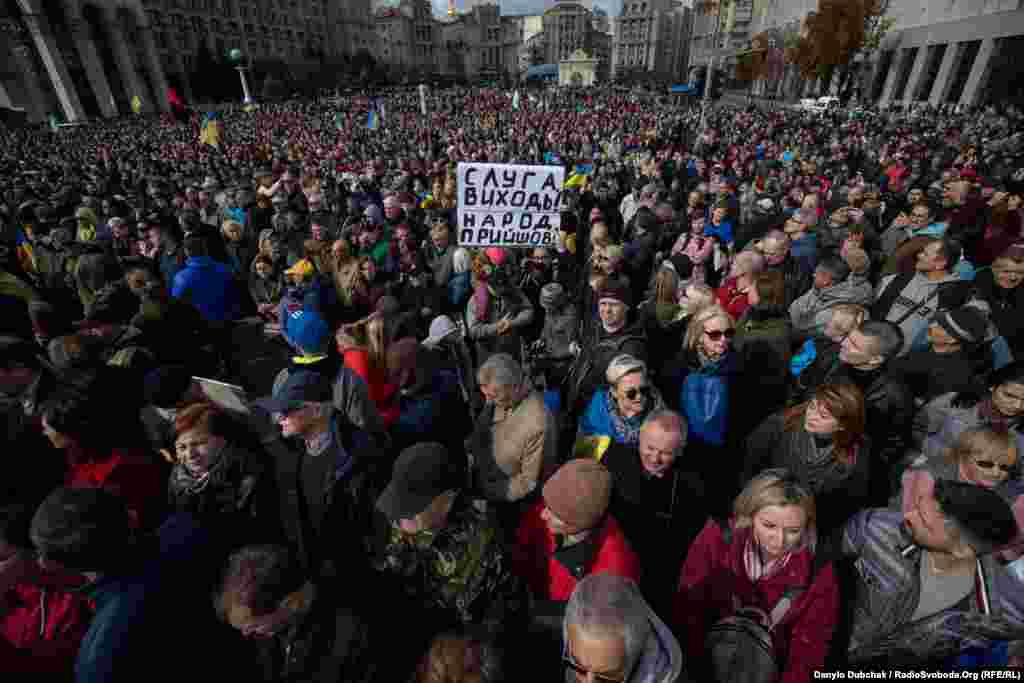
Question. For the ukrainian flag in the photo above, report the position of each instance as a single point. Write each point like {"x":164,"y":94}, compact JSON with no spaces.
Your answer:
{"x":210,"y":132}
{"x":23,"y":248}
{"x":373,"y":120}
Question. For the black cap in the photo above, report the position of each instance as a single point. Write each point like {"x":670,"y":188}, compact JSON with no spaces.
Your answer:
{"x":422,"y":473}
{"x":165,"y":386}
{"x":302,"y":386}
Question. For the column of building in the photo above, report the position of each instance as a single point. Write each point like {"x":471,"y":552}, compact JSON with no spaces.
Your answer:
{"x":123,"y":58}
{"x":46,"y":44}
{"x":90,"y":56}
{"x":156,"y":68}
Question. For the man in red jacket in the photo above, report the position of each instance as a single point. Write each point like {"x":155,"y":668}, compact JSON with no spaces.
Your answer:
{"x":569,"y":535}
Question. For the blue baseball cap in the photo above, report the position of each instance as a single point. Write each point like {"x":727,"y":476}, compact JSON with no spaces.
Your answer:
{"x":308,"y":331}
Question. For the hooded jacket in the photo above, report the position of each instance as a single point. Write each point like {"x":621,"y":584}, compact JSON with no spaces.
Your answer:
{"x":812,"y":310}
{"x":41,"y":627}
{"x":662,"y":659}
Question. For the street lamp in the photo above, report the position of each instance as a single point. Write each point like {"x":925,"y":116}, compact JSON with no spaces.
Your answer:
{"x":235,"y":57}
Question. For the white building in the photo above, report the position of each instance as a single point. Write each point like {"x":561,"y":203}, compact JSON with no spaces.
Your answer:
{"x":941,"y":52}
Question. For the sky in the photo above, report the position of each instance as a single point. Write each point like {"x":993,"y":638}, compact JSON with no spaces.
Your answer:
{"x":526,"y":6}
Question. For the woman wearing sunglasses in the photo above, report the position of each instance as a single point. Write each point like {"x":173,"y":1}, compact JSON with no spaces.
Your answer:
{"x":980,"y":456}
{"x":763,"y":553}
{"x":703,"y":383}
{"x":620,"y":408}
{"x":611,"y":635}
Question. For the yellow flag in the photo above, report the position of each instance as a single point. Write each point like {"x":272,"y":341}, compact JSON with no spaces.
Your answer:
{"x":574,"y":181}
{"x":136,"y":104}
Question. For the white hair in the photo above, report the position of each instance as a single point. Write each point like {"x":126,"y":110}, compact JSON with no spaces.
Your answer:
{"x":609,"y":605}
{"x":501,"y":369}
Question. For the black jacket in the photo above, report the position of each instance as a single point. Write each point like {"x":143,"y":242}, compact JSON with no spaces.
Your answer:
{"x":328,"y":645}
{"x":889,"y":409}
{"x":588,"y":371}
{"x":928,"y":374}
{"x":1007,"y":309}
{"x":335,"y":537}
{"x":650,"y":510}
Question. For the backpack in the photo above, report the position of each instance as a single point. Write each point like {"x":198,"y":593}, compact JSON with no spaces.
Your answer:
{"x":705,"y":402}
{"x":740,"y":646}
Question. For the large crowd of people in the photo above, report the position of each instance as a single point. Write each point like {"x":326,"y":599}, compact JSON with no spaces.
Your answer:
{"x":759,"y":412}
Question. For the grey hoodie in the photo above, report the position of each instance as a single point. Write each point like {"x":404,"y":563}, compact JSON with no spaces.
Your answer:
{"x":812,"y":310}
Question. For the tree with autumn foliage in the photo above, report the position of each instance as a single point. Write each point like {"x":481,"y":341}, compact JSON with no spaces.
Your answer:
{"x":835,"y":35}
{"x":752,"y":65}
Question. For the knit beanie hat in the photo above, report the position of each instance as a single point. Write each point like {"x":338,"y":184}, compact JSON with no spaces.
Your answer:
{"x":578,"y":493}
{"x":966,"y":324}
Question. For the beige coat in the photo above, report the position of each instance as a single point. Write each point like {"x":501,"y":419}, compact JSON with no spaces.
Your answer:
{"x":513,"y":449}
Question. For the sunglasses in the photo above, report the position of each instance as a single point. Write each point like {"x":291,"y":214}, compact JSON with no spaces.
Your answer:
{"x":990,"y":465}
{"x":716,"y":335}
{"x":580,"y":671}
{"x":637,"y":392}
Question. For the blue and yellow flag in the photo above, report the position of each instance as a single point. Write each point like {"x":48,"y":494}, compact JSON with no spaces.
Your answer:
{"x":373,"y":120}
{"x":23,"y":248}
{"x":210,"y":133}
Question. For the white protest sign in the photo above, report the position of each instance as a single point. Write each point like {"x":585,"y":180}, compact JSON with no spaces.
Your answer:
{"x":509,"y":205}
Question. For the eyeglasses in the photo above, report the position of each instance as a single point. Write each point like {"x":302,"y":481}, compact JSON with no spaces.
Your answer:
{"x":580,"y":671}
{"x":716,"y":335}
{"x":636,"y":392}
{"x":990,"y":465}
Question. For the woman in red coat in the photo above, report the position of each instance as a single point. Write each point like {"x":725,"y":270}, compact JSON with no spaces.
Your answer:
{"x":767,"y":550}
{"x":363,"y":348}
{"x":81,"y":427}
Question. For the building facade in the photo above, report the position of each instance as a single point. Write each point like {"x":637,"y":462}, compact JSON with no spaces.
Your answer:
{"x":408,"y":37}
{"x":651,"y":40}
{"x":733,"y":23}
{"x":956,"y":52}
{"x":951,"y":52}
{"x":89,"y":58}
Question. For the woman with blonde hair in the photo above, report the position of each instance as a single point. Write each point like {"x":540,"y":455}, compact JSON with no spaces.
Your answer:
{"x":761,"y":561}
{"x":363,"y":346}
{"x":822,"y":441}
{"x":703,"y":383}
{"x":981,"y":455}
{"x":621,"y":407}
{"x":458,"y":659}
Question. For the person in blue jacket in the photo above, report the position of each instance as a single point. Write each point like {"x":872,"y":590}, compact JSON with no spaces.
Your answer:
{"x":208,"y":284}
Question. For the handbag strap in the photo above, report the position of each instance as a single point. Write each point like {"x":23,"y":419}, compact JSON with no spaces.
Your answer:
{"x":919,"y":304}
